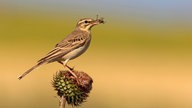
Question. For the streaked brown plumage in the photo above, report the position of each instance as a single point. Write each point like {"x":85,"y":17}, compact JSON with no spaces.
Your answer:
{"x":70,"y":47}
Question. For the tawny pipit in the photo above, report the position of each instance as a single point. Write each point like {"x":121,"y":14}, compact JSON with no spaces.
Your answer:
{"x":72,"y":46}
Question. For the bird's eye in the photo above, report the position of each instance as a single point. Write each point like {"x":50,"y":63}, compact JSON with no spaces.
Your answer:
{"x":86,"y":21}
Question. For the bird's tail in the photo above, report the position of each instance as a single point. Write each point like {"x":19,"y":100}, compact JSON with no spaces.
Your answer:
{"x":28,"y":71}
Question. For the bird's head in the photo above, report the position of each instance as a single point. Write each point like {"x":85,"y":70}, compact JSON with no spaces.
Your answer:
{"x":86,"y":24}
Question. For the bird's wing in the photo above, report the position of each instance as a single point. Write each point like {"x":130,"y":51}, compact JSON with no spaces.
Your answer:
{"x":71,"y":42}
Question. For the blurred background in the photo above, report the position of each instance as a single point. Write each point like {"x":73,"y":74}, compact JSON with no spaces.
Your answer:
{"x":140,"y":58}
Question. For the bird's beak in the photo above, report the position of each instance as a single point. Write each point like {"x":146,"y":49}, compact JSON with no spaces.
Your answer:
{"x":98,"y":21}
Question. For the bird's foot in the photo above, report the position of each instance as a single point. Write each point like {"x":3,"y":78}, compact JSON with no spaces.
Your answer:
{"x":71,"y":70}
{"x":74,"y":74}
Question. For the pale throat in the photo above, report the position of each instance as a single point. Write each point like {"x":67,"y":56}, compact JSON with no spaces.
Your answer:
{"x":86,"y":28}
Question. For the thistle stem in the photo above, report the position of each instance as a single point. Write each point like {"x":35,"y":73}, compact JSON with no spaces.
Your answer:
{"x":62,"y":102}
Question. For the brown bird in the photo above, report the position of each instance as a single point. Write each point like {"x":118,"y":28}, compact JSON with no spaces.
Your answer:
{"x":70,"y":47}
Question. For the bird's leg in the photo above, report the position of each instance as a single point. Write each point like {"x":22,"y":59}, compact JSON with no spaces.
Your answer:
{"x":65,"y":65}
{"x":70,"y":69}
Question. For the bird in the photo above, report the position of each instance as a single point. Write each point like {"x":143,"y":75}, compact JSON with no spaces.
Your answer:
{"x":72,"y":46}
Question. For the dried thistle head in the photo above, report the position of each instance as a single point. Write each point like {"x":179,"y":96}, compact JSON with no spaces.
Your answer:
{"x":74,"y":90}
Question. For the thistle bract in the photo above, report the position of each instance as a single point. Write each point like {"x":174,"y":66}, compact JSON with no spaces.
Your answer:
{"x":75,"y":90}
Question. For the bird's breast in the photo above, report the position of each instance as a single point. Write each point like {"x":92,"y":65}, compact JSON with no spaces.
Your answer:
{"x":76,"y":52}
